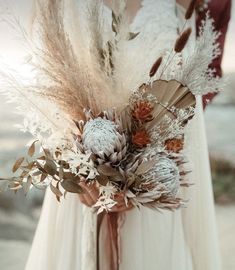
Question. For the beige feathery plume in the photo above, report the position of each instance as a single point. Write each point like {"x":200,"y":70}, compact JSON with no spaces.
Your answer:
{"x":72,"y":83}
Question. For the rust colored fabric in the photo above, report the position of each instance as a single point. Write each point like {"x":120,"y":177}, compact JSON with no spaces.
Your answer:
{"x":220,"y":11}
{"x":109,"y":222}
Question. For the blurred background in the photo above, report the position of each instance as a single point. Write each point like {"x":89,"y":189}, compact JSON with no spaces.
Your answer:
{"x":19,"y":214}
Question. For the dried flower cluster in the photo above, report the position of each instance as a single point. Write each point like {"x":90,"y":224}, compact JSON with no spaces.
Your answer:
{"x":90,"y":126}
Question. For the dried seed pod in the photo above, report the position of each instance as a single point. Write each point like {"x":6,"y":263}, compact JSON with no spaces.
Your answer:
{"x":182,"y":40}
{"x":190,"y":9}
{"x":155,"y":67}
{"x":174,"y":145}
{"x":141,"y":139}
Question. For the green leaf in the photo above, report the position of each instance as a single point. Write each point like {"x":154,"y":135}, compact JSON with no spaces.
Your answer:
{"x":50,"y":167}
{"x":61,"y":172}
{"x":43,"y":177}
{"x":102,"y":180}
{"x":28,"y":184}
{"x":71,"y":186}
{"x":17,"y":164}
{"x":107,"y":170}
{"x":56,"y":191}
{"x":32,"y":148}
{"x":47,"y":154}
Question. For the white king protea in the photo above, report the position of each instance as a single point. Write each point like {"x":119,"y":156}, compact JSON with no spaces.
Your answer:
{"x":165,"y":172}
{"x":102,"y":137}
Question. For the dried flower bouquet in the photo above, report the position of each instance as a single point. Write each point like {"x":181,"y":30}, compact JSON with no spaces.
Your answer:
{"x":91,"y":126}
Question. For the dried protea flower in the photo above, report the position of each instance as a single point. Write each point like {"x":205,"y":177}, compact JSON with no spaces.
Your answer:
{"x":141,"y":138}
{"x":182,"y":40}
{"x":142,"y":111}
{"x":166,"y":173}
{"x":102,"y":137}
{"x":174,"y":145}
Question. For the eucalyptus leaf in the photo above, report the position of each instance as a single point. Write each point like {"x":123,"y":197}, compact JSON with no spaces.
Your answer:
{"x":102,"y":180}
{"x":107,"y":170}
{"x":32,"y":148}
{"x":17,"y":164}
{"x":56,"y":191}
{"x":50,"y":167}
{"x":71,"y":186}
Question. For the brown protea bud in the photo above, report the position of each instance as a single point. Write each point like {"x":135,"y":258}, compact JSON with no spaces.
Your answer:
{"x":174,"y":145}
{"x":142,"y":111}
{"x":155,"y":67}
{"x":190,"y":9}
{"x":141,"y":138}
{"x":182,"y":40}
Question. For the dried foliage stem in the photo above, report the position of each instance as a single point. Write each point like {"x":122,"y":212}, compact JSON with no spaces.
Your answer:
{"x":188,"y":15}
{"x":180,"y":44}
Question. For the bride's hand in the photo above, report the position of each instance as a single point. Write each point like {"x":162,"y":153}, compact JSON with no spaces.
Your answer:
{"x":91,"y":194}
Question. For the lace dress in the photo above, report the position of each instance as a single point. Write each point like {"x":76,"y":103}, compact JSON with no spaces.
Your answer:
{"x":149,"y":240}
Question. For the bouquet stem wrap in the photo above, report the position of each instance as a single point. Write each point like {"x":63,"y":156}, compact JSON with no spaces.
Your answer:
{"x":108,"y":240}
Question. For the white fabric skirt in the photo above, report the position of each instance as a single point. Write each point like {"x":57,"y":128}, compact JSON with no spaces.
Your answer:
{"x":149,"y":240}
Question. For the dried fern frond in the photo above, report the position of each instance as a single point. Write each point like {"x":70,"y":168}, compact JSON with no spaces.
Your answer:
{"x":195,"y":72}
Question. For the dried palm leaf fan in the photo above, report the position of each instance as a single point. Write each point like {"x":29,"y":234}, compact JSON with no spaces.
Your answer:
{"x":169,"y":95}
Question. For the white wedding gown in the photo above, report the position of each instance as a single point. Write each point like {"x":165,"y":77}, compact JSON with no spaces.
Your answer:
{"x":149,"y":240}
